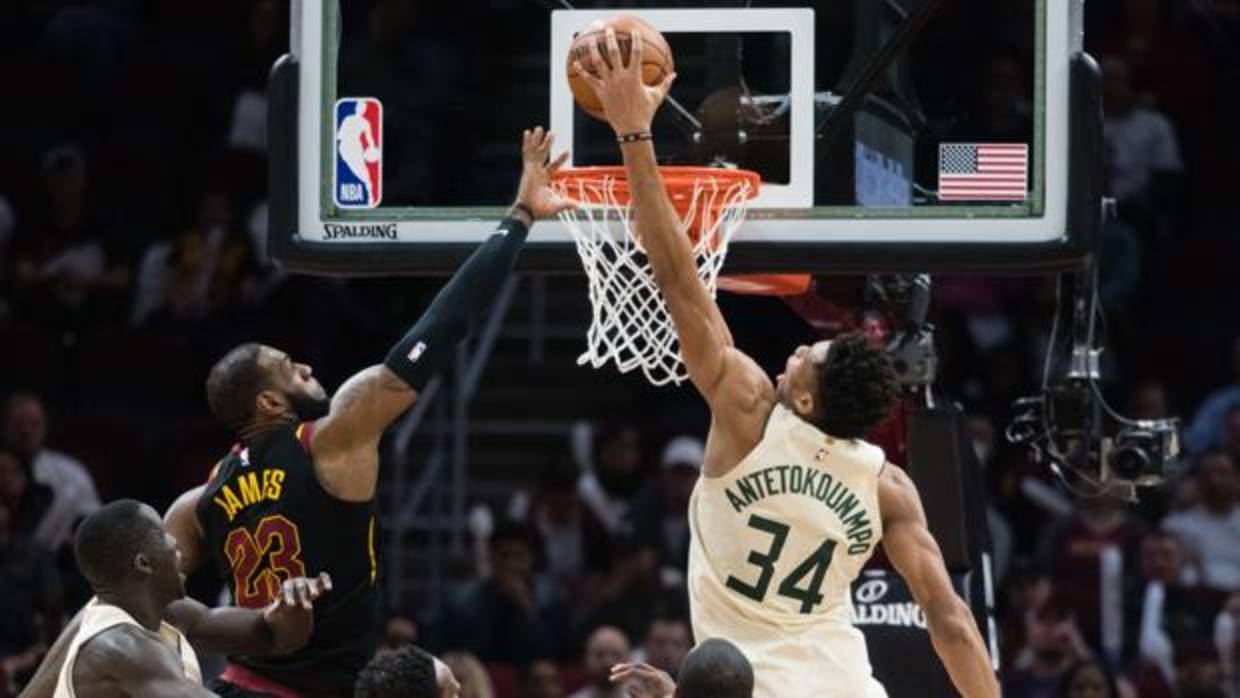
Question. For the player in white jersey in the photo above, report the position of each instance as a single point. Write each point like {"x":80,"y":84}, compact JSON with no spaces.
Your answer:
{"x":791,"y":501}
{"x":134,"y":637}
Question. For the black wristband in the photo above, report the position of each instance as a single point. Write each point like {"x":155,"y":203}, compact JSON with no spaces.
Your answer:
{"x":635,"y":137}
{"x":526,"y":210}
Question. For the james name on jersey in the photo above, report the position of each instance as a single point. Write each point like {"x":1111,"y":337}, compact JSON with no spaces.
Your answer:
{"x":251,"y":488}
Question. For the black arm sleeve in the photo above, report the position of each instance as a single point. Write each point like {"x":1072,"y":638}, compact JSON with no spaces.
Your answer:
{"x":428,"y":347}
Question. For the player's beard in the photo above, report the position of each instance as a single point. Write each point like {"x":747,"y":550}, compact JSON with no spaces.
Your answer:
{"x":310,"y":408}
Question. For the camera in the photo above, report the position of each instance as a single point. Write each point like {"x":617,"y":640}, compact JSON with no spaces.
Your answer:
{"x":1142,"y":452}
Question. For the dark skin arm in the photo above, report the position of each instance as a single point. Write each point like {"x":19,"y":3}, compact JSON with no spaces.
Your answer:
{"x":281,"y":628}
{"x":346,"y":441}
{"x":739,"y":392}
{"x":128,"y":661}
{"x":916,"y":556}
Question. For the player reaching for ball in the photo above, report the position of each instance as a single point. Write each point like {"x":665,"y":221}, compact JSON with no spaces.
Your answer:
{"x":791,"y":501}
{"x":297,"y":493}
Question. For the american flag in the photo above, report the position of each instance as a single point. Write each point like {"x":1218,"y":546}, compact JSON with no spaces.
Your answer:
{"x":983,"y":171}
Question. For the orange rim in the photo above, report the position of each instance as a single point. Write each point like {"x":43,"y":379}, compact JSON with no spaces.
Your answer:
{"x":781,"y":285}
{"x":680,"y":181}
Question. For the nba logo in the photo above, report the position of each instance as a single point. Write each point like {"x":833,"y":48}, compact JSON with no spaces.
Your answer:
{"x":359,"y":152}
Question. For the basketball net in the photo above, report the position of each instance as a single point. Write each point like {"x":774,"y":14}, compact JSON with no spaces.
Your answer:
{"x":631,"y":325}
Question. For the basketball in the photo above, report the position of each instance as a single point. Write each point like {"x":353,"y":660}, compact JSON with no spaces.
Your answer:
{"x":657,"y":61}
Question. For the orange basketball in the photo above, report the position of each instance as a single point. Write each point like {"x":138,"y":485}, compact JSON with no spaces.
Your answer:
{"x":657,"y":61}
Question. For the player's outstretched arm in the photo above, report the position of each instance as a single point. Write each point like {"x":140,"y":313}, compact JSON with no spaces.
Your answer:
{"x":725,"y":377}
{"x":345,"y":441}
{"x":284,"y":626}
{"x":917,"y":558}
{"x":127,"y":658}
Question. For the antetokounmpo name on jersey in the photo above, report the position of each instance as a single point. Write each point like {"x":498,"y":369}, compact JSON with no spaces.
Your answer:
{"x":812,"y":483}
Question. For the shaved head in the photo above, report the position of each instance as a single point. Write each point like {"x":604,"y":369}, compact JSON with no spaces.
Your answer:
{"x":715,"y":669}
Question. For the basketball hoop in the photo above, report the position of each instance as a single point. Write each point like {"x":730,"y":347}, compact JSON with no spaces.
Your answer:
{"x":631,"y":325}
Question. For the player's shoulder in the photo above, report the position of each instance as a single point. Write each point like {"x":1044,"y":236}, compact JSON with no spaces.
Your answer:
{"x":122,"y":649}
{"x":897,"y":493}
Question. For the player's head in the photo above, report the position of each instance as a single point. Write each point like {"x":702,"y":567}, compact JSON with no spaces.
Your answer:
{"x":256,"y":384}
{"x":360,"y":108}
{"x":715,"y":669}
{"x":409,"y":672}
{"x":844,"y":386}
{"x":124,"y":546}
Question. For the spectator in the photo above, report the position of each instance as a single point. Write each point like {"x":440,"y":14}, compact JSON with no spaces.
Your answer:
{"x":61,"y":257}
{"x":26,"y":500}
{"x":207,"y":269}
{"x":627,"y":596}
{"x":668,"y":640}
{"x":1171,"y":612}
{"x":1231,"y":433}
{"x":661,"y":514}
{"x":606,"y":647}
{"x":615,"y":478}
{"x":30,"y":602}
{"x":1206,"y":430}
{"x":475,"y":683}
{"x":506,"y":617}
{"x":1211,"y":530}
{"x":1198,"y":670}
{"x":1053,"y":644}
{"x":73,"y":490}
{"x":1026,"y":588}
{"x":573,"y":540}
{"x":1142,"y":151}
{"x":542,"y":680}
{"x":1089,"y":679}
{"x":399,"y":630}
{"x":1076,"y":551}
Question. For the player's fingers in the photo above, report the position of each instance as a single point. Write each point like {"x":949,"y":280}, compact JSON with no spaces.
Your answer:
{"x":596,"y":60}
{"x":613,"y":50}
{"x":303,"y":593}
{"x":591,"y":79}
{"x":325,"y":582}
{"x":557,"y":163}
{"x":666,"y":86}
{"x":287,"y":588}
{"x":635,"y":52}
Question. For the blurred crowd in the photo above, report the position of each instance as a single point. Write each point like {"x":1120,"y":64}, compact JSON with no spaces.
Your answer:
{"x":132,"y":253}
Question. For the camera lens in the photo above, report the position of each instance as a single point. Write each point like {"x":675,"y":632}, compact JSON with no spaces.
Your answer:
{"x":1130,"y":461}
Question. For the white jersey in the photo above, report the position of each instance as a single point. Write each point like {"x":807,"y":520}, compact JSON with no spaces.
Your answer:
{"x":98,"y":617}
{"x":775,"y":547}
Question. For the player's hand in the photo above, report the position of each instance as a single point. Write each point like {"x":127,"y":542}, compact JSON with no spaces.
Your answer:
{"x":643,"y":681}
{"x":629,"y":103}
{"x":537,"y":169}
{"x":291,"y":616}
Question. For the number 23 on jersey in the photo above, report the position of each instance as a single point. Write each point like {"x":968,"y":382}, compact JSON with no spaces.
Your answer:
{"x":261,"y":560}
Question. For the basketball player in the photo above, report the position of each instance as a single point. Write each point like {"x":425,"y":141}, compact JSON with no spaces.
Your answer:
{"x":714,"y":669}
{"x":356,"y":144}
{"x":131,"y":639}
{"x":297,"y":492}
{"x":791,"y":501}
{"x":409,"y":672}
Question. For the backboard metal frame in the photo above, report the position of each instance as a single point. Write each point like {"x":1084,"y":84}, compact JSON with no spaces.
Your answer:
{"x":780,"y":236}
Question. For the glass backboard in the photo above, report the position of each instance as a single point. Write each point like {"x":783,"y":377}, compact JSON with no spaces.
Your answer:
{"x":890,"y":135}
